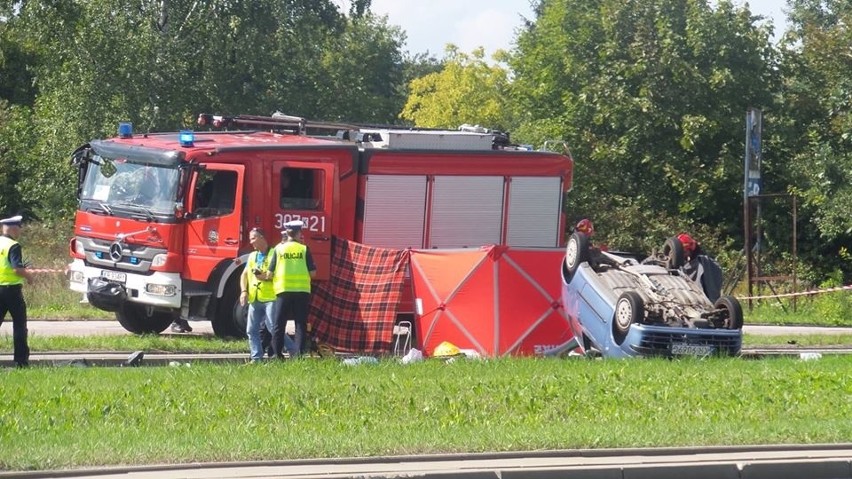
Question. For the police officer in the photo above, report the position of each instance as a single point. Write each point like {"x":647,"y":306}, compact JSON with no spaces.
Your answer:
{"x":259,"y":294}
{"x":12,"y":276}
{"x":291,"y":269}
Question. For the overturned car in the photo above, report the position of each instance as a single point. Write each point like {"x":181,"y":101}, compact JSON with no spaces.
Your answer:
{"x":621,"y":305}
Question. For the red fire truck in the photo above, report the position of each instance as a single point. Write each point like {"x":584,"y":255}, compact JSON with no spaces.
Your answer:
{"x":162,"y":224}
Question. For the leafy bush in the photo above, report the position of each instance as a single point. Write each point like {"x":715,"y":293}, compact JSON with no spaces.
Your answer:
{"x":836,"y":307}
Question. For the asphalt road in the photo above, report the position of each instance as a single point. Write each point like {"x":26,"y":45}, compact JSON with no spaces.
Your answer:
{"x":759,"y":462}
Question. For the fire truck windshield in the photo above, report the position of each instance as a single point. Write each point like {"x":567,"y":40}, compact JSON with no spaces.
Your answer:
{"x":116,"y":186}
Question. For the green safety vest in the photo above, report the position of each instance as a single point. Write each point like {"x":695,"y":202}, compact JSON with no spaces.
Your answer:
{"x":291,"y":273}
{"x":259,"y":290}
{"x":8,"y":275}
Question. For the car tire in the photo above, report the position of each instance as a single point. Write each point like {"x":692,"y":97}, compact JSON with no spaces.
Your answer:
{"x":230,"y":318}
{"x":673,"y":251}
{"x":629,"y":309}
{"x":734,"y":317}
{"x":140,"y":319}
{"x":576,"y":253}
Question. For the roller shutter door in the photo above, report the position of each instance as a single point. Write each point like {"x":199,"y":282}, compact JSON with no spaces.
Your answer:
{"x":467,"y":211}
{"x":534,"y":208}
{"x":394,"y":209}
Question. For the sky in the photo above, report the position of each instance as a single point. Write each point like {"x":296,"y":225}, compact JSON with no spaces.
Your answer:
{"x":468,"y":24}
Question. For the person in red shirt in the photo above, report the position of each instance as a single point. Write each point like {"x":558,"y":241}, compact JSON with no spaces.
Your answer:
{"x":585,"y":226}
{"x":700,"y":267}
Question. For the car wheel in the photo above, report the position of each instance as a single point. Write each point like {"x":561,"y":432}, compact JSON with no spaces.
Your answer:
{"x":576,"y":253}
{"x":629,"y":309}
{"x":231,"y":317}
{"x":673,"y":251}
{"x":732,"y":317}
{"x":141,"y":319}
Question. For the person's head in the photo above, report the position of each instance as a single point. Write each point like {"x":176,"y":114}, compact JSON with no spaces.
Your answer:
{"x":585,"y":226}
{"x":689,"y":244}
{"x":12,"y":226}
{"x":293,"y":230}
{"x":258,"y":240}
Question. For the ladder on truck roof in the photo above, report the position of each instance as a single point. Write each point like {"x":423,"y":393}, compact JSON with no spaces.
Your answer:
{"x":277,"y":122}
{"x":467,"y":137}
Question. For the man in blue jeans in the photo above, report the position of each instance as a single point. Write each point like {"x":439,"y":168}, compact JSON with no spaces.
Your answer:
{"x":259,"y":294}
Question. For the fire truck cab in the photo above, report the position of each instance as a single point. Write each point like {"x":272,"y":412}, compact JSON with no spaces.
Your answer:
{"x":161,"y":229}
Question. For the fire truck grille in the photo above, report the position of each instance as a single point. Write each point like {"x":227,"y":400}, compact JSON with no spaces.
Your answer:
{"x":119,"y":255}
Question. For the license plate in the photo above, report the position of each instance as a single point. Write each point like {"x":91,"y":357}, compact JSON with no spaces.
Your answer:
{"x":682,"y":349}
{"x":114,"y":276}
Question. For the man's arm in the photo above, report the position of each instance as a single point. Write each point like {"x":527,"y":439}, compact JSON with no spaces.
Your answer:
{"x":244,"y":286}
{"x":244,"y":279}
{"x":16,"y":259}
{"x":273,"y":260}
{"x":312,"y":267}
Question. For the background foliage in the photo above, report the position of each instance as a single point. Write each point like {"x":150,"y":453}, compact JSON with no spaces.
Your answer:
{"x":649,"y":95}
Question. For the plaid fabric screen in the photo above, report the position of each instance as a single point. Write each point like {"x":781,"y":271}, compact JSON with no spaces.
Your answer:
{"x":355,"y":310}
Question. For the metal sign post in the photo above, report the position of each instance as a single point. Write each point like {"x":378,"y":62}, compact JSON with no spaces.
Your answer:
{"x":754,"y":120}
{"x":752,"y":196}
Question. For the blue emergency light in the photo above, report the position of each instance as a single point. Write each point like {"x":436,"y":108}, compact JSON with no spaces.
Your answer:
{"x":186,"y":138}
{"x":125,"y":129}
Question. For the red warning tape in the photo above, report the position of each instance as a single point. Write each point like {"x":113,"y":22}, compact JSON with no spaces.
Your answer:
{"x":741,"y":298}
{"x":790,"y":295}
{"x":45,"y":270}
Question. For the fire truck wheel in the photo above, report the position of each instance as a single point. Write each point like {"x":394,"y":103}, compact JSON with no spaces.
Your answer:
{"x":230,"y":319}
{"x":140,"y":319}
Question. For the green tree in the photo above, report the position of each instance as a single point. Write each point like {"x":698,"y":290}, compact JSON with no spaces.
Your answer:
{"x":466,"y":90}
{"x":158,"y":64}
{"x":651,"y":96}
{"x":17,"y":96}
{"x":363,"y":70}
{"x":816,"y":111}
{"x":818,"y":102}
{"x":16,"y":79}
{"x":15,"y":141}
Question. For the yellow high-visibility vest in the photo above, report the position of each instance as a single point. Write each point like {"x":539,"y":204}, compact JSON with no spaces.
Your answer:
{"x":291,"y":273}
{"x":8,"y":275}
{"x":259,"y":290}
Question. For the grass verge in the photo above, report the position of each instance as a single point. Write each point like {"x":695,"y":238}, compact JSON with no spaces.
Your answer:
{"x":72,"y":417}
{"x":147,"y":343}
{"x":829,"y":309}
{"x":210,"y":344}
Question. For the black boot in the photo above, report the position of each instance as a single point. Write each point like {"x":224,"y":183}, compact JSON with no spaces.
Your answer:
{"x":181,"y":326}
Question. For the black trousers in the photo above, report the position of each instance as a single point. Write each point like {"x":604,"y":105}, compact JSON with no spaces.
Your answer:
{"x":12,"y":301}
{"x":290,"y":306}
